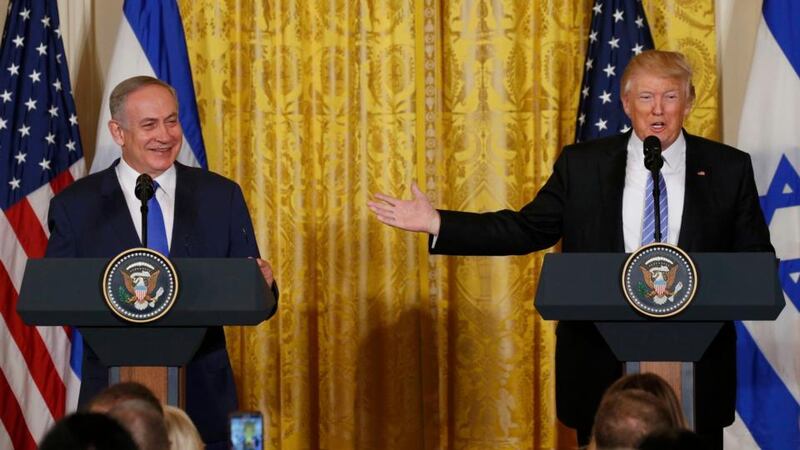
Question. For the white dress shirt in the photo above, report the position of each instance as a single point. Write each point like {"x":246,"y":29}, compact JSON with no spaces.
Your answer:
{"x":165,"y":194}
{"x":633,"y":196}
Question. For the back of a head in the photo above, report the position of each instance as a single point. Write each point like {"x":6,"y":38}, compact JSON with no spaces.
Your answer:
{"x":625,"y":417}
{"x":143,"y":422}
{"x":87,"y":431}
{"x":654,"y":384}
{"x":120,"y":392}
{"x":183,"y":435}
{"x":675,"y":439}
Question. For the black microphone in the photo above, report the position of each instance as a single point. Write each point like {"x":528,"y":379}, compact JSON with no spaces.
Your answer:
{"x":653,"y":161}
{"x":144,"y":191}
{"x":652,"y":154}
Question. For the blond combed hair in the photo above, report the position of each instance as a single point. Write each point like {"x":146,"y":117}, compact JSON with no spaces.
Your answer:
{"x":662,"y":64}
{"x":183,"y":435}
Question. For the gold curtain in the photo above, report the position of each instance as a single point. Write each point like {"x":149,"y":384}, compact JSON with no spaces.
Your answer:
{"x":312,"y":107}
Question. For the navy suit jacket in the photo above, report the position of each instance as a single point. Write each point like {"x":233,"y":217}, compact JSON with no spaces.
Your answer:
{"x":581,"y":205}
{"x":90,"y":219}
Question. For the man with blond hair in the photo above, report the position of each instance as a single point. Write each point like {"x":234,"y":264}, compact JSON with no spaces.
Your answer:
{"x":594,"y":202}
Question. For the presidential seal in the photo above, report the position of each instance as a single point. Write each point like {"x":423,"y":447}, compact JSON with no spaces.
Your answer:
{"x":659,"y":280}
{"x":140,"y":285}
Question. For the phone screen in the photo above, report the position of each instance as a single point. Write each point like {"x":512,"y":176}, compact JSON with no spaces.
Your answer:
{"x":246,"y":430}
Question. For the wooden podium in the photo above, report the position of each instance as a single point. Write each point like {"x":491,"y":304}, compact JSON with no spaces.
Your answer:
{"x":213,"y":292}
{"x":731,"y":286}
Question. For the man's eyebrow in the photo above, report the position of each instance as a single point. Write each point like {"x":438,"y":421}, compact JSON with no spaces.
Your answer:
{"x":155,"y":119}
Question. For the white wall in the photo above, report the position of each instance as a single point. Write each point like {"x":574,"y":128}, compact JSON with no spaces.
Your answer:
{"x":737,"y":22}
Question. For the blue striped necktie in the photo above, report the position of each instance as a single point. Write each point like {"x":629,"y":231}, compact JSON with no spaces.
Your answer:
{"x":649,"y":221}
{"x":156,"y":230}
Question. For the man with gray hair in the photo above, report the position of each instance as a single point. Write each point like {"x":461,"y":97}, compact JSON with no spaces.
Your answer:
{"x":201,"y":214}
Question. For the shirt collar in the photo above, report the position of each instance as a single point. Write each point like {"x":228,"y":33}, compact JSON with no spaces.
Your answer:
{"x":673,"y":155}
{"x":128,"y":175}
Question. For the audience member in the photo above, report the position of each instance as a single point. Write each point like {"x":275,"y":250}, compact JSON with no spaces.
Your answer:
{"x":120,"y":392}
{"x":183,"y":435}
{"x":143,"y":422}
{"x":625,"y":417}
{"x":654,"y":384}
{"x":87,"y":431}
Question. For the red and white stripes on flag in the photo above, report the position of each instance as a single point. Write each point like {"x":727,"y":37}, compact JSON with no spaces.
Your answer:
{"x":40,"y":154}
{"x":37,"y":384}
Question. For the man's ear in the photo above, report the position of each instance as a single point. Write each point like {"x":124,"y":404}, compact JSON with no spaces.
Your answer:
{"x":117,"y":132}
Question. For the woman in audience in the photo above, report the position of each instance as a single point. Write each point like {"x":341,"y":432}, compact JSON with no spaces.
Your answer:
{"x":183,"y":435}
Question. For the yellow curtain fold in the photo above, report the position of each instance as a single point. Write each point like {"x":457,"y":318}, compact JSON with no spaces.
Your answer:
{"x":314,"y":106}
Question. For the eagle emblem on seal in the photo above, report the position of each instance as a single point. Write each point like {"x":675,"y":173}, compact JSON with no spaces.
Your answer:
{"x":659,"y":274}
{"x":140,"y":284}
{"x":659,"y":280}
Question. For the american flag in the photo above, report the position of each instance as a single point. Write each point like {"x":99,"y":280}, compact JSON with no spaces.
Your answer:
{"x":40,"y":154}
{"x":619,"y":31}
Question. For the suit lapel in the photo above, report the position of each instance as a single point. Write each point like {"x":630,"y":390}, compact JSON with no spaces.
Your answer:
{"x":612,"y":180}
{"x":183,"y":224}
{"x":696,"y":200}
{"x":115,"y":210}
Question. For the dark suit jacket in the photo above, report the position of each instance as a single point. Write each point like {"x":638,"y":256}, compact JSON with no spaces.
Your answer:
{"x":91,"y":219}
{"x":581,"y":205}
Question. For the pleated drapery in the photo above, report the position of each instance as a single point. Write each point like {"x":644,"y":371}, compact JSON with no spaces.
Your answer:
{"x":312,"y":106}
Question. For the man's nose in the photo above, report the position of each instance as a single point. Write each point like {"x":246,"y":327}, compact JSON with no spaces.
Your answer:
{"x":657,"y":107}
{"x":164,"y":132}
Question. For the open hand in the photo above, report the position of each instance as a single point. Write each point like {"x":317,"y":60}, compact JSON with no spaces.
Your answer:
{"x":416,"y":214}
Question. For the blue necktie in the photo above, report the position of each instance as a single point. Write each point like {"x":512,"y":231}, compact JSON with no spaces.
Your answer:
{"x":156,"y":230}
{"x":649,"y":221}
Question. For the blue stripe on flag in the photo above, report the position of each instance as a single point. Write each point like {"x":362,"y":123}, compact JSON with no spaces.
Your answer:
{"x":764,"y":403}
{"x":786,"y":268}
{"x":157,"y":25}
{"x":782,"y":18}
{"x":76,"y":352}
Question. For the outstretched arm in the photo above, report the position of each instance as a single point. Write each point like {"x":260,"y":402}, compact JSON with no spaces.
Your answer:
{"x":416,"y":214}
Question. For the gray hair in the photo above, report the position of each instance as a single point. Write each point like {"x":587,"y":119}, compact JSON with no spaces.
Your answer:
{"x":116,"y":102}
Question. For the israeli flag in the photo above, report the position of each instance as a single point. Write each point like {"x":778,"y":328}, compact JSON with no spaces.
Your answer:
{"x":768,"y":358}
{"x":151,"y":42}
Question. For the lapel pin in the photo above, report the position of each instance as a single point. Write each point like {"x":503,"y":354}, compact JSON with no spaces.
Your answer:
{"x":701,"y":173}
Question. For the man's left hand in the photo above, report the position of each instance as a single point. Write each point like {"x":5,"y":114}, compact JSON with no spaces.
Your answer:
{"x":266,"y":270}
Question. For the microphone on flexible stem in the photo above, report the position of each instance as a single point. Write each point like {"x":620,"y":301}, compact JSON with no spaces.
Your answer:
{"x":144,"y":191}
{"x":653,"y":161}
